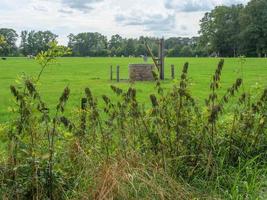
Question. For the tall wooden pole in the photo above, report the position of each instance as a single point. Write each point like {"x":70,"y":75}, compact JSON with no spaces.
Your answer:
{"x":118,"y":73}
{"x":111,"y":72}
{"x":161,"y":59}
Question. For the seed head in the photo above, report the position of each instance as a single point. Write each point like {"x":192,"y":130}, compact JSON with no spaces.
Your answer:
{"x":154,"y":101}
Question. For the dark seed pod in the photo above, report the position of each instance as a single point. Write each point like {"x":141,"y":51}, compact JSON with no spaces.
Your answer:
{"x":185,"y":68}
{"x":238,"y":82}
{"x":106,"y":99}
{"x":264,"y":95}
{"x":63,"y":99}
{"x":154,"y":101}
{"x":15,"y":92}
{"x":88,"y":94}
{"x":64,"y":121}
{"x":31,"y":88}
{"x":183,"y":76}
{"x":117,"y":90}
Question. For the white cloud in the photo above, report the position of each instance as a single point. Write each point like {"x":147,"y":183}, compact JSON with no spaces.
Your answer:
{"x":198,"y":5}
{"x":129,"y":18}
{"x":189,"y":5}
{"x":156,"y":22}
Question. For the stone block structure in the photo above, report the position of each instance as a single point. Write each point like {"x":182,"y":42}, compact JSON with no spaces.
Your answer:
{"x":141,"y":72}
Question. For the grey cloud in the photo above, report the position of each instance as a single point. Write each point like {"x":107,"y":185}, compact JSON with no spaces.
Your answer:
{"x":64,"y":11}
{"x":189,"y":5}
{"x":156,"y":23}
{"x":183,"y":27}
{"x":81,"y":5}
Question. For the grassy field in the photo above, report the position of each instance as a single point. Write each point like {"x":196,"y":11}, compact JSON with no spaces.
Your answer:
{"x":175,"y":147}
{"x":79,"y":73}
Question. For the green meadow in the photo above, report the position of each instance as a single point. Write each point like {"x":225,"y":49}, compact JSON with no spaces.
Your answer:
{"x":78,"y":73}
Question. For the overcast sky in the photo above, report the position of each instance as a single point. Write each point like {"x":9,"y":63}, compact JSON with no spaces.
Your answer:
{"x":129,"y":18}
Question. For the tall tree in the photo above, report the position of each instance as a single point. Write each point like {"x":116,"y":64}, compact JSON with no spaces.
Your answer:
{"x":175,"y":51}
{"x":220,"y":30}
{"x":115,"y":44}
{"x":88,"y":44}
{"x":2,"y":41}
{"x":129,"y":47}
{"x":140,"y":50}
{"x":254,"y":28}
{"x":34,"y":42}
{"x":24,"y":46}
{"x":8,"y":48}
{"x":186,"y":51}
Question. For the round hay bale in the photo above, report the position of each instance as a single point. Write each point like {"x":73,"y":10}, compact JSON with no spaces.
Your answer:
{"x":141,"y":72}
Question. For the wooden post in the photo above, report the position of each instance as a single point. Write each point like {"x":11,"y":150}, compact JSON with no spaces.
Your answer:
{"x":118,"y":73}
{"x":161,"y":58}
{"x":159,"y":61}
{"x":83,"y":103}
{"x":172,"y":71}
{"x":111,"y":72}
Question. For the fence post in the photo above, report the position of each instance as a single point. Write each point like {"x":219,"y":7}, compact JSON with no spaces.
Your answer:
{"x":111,"y":72}
{"x":172,"y":71}
{"x":118,"y":73}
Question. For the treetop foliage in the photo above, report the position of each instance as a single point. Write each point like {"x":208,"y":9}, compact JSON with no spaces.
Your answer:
{"x":226,"y":31}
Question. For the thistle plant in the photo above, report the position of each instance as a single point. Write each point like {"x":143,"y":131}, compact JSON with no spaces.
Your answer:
{"x":51,"y":139}
{"x":214,"y":108}
{"x":25,"y":139}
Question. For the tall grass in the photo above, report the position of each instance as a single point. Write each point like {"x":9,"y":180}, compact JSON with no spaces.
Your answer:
{"x":174,"y":149}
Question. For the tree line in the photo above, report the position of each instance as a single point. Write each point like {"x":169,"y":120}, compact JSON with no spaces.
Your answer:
{"x":92,"y":44}
{"x":235,"y":30}
{"x":227,"y":31}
